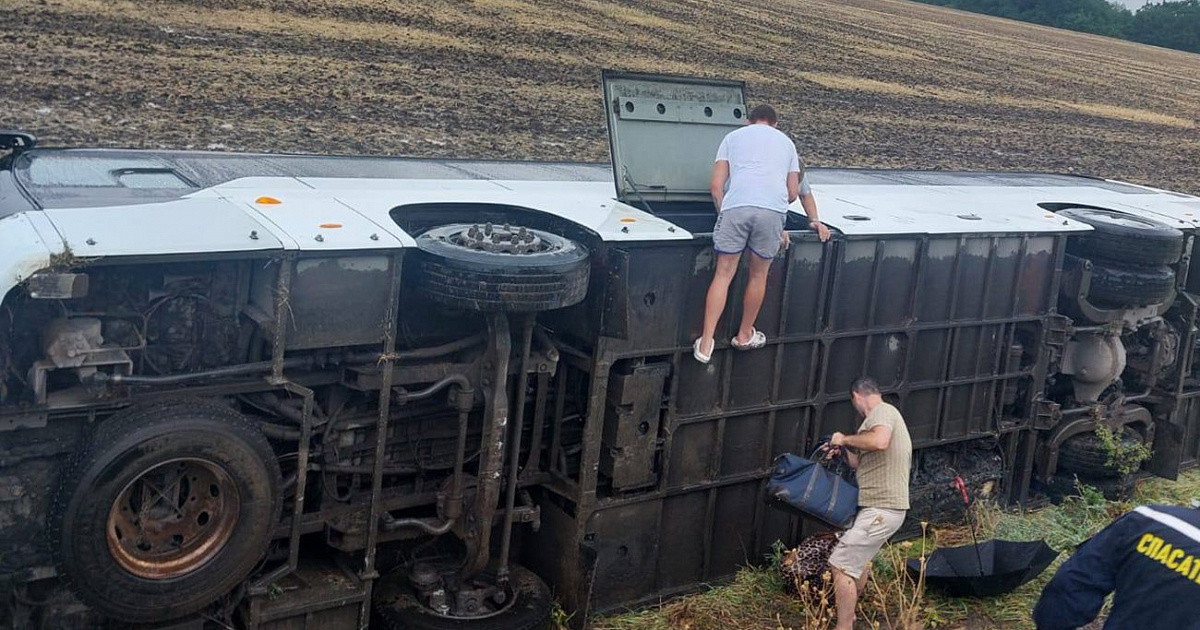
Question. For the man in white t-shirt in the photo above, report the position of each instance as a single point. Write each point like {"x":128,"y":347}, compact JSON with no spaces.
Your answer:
{"x":764,"y":176}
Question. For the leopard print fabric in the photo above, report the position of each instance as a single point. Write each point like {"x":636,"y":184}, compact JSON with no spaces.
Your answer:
{"x":808,"y":562}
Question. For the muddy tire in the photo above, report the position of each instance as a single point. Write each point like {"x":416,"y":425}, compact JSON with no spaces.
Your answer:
{"x":397,"y":608}
{"x":544,"y":273}
{"x":1124,"y":238}
{"x":167,"y":508}
{"x":1130,"y":286}
{"x":1085,"y":455}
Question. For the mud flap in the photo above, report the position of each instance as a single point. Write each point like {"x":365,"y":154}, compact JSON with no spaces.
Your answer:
{"x":1168,"y":450}
{"x":615,"y":322}
{"x":564,"y":557}
{"x":588,"y":558}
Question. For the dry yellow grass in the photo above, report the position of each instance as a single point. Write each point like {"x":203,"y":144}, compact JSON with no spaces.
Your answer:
{"x":858,"y":82}
{"x":756,"y":600}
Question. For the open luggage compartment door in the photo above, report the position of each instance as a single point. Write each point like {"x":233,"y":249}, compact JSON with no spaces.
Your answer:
{"x":663,"y":133}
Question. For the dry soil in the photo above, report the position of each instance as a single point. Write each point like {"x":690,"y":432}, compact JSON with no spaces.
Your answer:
{"x":858,"y":82}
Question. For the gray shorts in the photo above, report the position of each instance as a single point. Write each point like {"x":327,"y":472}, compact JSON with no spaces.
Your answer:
{"x":743,"y":227}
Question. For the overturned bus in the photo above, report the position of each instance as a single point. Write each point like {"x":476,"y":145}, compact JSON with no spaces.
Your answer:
{"x":296,"y":392}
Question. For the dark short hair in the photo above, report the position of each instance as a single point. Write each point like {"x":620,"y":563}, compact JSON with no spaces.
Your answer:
{"x":765,"y":113}
{"x":865,"y":386}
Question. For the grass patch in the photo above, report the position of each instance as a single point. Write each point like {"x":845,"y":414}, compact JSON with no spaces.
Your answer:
{"x":755,"y":600}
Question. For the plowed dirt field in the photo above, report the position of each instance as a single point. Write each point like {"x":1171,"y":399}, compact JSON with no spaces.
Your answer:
{"x":858,"y":82}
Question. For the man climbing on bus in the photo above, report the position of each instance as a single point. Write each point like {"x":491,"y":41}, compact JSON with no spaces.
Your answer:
{"x":756,"y":176}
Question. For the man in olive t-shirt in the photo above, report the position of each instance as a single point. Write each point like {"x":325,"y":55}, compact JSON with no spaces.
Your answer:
{"x":881,"y":451}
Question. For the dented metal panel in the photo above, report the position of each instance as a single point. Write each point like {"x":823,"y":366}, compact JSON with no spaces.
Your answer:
{"x":24,"y":252}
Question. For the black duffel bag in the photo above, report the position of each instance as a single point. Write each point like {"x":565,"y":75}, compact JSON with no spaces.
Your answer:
{"x":806,"y":486}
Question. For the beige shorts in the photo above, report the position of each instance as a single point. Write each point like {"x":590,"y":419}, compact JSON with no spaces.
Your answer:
{"x":858,"y":545}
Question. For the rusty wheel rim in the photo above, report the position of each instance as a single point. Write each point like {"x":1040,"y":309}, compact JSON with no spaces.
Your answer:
{"x":173,"y":519}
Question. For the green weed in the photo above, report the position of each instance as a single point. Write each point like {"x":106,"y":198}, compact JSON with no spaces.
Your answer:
{"x":755,"y":599}
{"x":1125,"y":458}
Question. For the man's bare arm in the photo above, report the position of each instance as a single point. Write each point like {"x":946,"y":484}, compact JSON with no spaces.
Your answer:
{"x":809,"y":203}
{"x":793,"y":186}
{"x":875,"y":439}
{"x":717,"y":186}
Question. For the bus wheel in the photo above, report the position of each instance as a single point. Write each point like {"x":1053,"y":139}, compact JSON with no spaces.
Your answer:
{"x":167,"y":508}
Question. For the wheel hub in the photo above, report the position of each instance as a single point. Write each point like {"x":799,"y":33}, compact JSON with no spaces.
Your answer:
{"x":504,"y":239}
{"x":172,"y":519}
{"x":476,"y":599}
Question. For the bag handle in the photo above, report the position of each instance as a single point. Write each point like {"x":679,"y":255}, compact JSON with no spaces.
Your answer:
{"x":838,"y":464}
{"x":822,"y":445}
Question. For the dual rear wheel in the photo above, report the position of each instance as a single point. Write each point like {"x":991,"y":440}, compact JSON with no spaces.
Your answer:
{"x":1130,"y":256}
